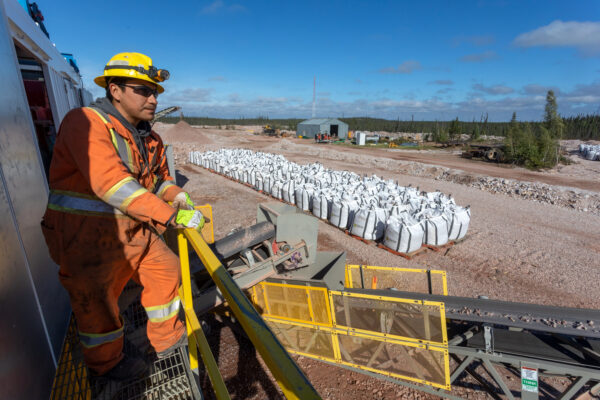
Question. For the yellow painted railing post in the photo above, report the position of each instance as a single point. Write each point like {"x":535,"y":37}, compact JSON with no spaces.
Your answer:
{"x":196,"y":338}
{"x":286,"y":372}
{"x":184,"y":259}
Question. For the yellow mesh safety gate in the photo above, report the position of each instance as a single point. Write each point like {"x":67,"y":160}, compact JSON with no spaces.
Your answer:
{"x":399,"y":338}
{"x":294,"y":303}
{"x":405,"y":279}
{"x":403,"y":319}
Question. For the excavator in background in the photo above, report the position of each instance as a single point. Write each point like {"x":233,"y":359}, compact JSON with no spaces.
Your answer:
{"x":271,"y":131}
{"x":164,"y":112}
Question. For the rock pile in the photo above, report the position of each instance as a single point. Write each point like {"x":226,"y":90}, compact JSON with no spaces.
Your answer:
{"x":539,"y":192}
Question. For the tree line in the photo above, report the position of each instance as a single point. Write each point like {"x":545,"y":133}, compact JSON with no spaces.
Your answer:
{"x":584,"y":127}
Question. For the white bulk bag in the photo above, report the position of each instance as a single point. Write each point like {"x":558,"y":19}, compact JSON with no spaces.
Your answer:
{"x":276,"y":190}
{"x":267,"y":183}
{"x":403,"y":234}
{"x":304,"y":197}
{"x":288,"y":192}
{"x":369,"y":223}
{"x":342,"y":212}
{"x":258,"y":181}
{"x":320,"y":205}
{"x":458,"y":223}
{"x":436,"y":229}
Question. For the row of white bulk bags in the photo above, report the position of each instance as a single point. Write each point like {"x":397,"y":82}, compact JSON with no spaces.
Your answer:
{"x":341,"y":197}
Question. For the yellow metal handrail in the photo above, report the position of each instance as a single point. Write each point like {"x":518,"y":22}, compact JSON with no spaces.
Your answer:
{"x":196,"y":338}
{"x":286,"y":372}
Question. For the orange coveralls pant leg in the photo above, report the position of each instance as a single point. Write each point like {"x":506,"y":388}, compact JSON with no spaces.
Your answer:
{"x":160,"y":275}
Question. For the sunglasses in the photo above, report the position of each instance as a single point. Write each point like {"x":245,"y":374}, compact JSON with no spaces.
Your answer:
{"x":142,"y":90}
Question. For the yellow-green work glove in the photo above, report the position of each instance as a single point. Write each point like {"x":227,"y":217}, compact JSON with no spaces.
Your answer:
{"x":190,"y":219}
{"x":183,"y":201}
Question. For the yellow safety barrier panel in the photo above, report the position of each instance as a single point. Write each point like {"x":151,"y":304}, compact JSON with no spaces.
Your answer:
{"x":406,"y":279}
{"x":403,"y":319}
{"x":293,"y":302}
{"x":424,"y":364}
{"x":399,"y":338}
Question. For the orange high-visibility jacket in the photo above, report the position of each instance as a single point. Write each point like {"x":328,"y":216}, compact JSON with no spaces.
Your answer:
{"x":97,"y":177}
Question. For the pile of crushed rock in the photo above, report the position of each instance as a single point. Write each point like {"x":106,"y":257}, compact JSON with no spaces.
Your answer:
{"x":577,"y":199}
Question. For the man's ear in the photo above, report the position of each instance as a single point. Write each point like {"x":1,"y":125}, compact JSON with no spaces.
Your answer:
{"x":115,"y":91}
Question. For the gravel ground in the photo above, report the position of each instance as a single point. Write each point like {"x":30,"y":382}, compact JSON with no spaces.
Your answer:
{"x":516,"y":249}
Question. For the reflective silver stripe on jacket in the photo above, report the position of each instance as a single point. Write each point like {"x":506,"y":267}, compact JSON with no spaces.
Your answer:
{"x":163,"y":312}
{"x":96,"y":339}
{"x":118,"y":141}
{"x":123,"y":193}
{"x":124,"y":151}
{"x":163,"y":187}
{"x":61,"y":201}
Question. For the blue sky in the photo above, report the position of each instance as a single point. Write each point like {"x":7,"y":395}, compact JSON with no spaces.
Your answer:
{"x":390,"y":59}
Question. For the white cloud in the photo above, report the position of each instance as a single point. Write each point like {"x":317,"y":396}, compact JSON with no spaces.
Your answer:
{"x":583,"y":98}
{"x":479,"y":57}
{"x":493,"y":90}
{"x":406,"y":67}
{"x":584,"y":36}
{"x":474,"y":40}
{"x":218,"y":6}
{"x":190,"y":95}
{"x":535,"y":89}
{"x":442,"y":82}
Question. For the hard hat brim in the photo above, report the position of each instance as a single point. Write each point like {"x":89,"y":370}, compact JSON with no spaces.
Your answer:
{"x":101,"y":81}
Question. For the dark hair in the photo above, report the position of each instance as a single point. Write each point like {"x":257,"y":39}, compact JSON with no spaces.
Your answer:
{"x":117,"y":81}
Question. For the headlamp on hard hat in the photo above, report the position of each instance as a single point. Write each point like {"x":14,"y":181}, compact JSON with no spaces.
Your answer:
{"x":158,"y":75}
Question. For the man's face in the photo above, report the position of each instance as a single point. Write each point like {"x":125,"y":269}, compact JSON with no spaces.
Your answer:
{"x":131,"y":96}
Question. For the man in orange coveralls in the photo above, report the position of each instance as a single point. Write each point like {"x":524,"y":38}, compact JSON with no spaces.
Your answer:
{"x":109,"y":188}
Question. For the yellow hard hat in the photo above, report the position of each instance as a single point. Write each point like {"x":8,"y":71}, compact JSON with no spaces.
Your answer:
{"x":134,"y":66}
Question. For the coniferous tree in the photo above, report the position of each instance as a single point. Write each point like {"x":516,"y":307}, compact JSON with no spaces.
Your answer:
{"x":552,"y":121}
{"x":454,"y":131}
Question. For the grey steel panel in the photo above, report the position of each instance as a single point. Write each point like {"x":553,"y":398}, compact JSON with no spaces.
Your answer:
{"x":26,"y":187}
{"x":170,"y":161}
{"x":23,"y":345}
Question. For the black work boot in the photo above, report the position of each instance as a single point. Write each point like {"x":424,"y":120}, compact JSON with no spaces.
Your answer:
{"x":183,"y":341}
{"x":128,"y":368}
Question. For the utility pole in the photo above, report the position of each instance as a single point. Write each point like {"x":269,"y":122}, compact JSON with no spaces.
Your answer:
{"x":314,"y":104}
